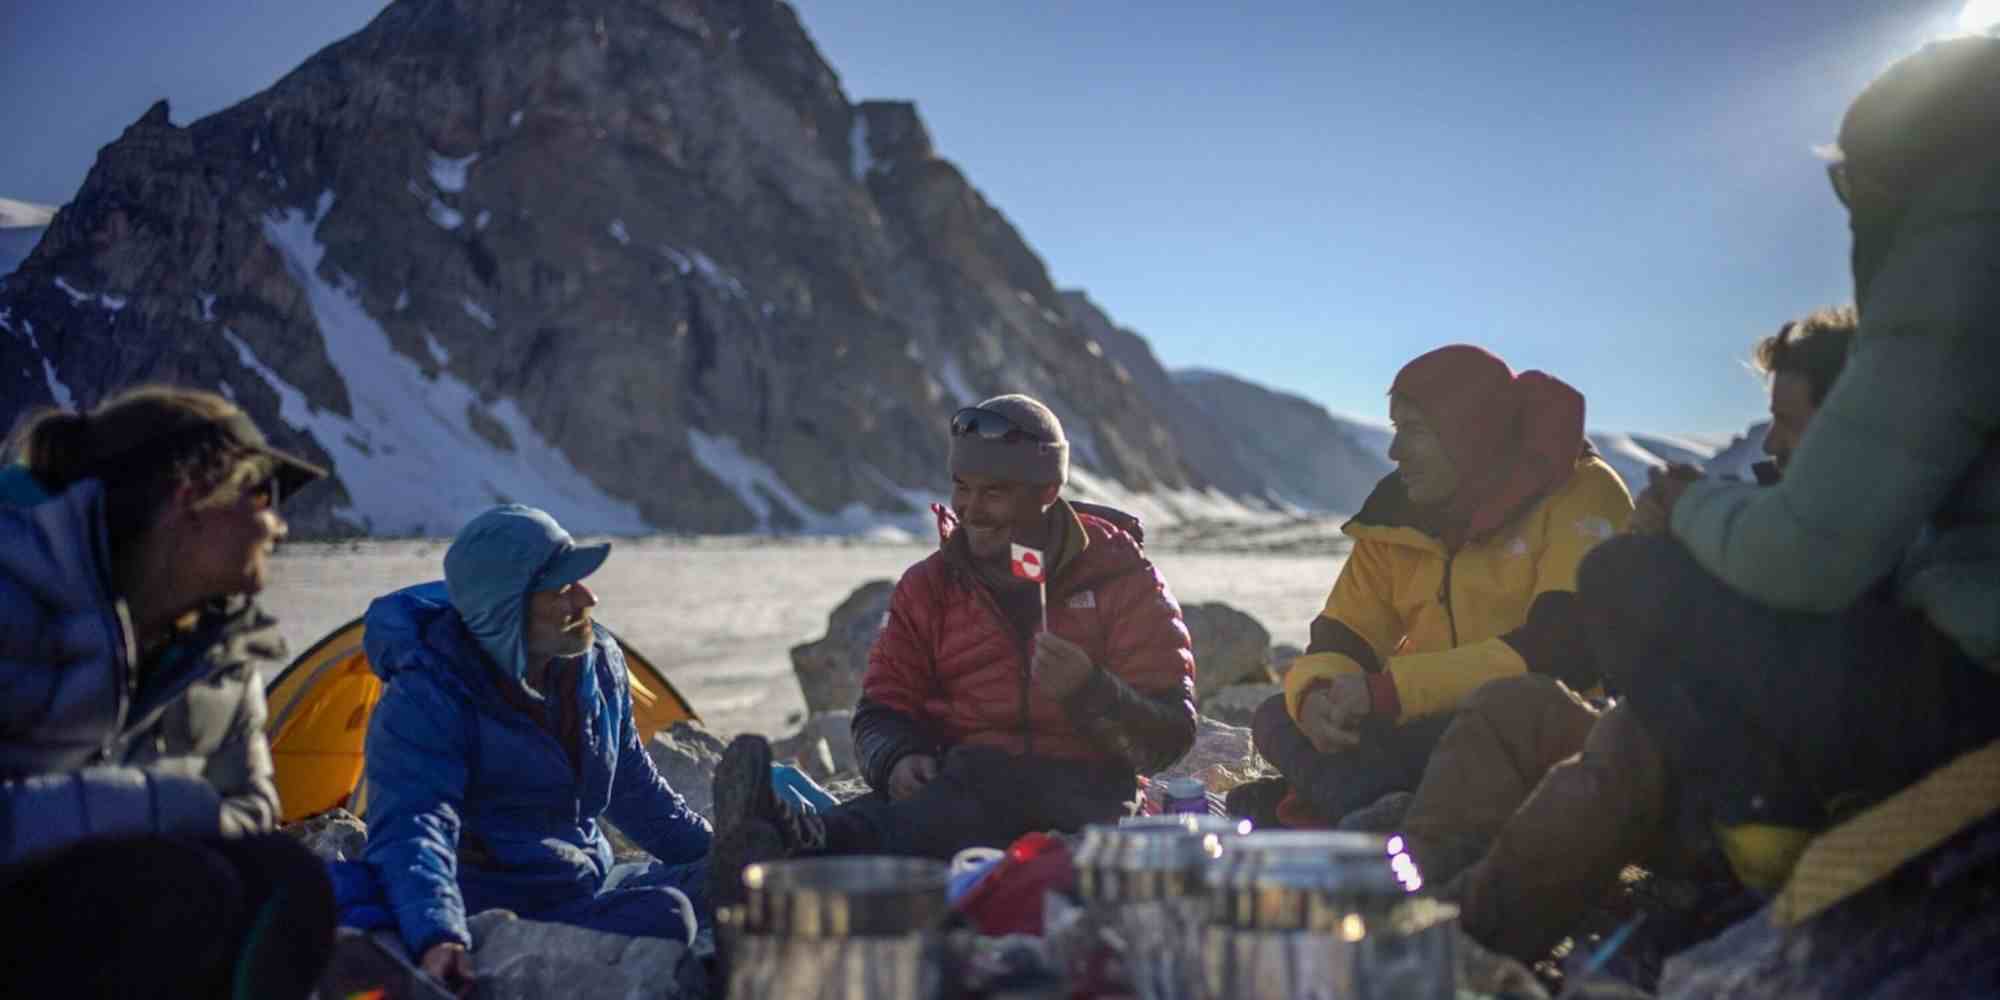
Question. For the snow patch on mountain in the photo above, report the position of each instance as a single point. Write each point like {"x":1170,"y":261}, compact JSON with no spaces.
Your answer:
{"x":760,"y":487}
{"x":57,"y":389}
{"x":1630,"y":455}
{"x":409,"y":455}
{"x":448,"y":173}
{"x":860,"y":161}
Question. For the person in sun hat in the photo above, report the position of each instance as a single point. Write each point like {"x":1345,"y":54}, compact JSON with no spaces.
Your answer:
{"x":994,"y":705}
{"x":138,"y":848}
{"x":503,"y":740}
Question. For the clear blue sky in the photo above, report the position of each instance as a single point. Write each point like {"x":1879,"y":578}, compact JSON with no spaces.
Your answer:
{"x":1307,"y":196}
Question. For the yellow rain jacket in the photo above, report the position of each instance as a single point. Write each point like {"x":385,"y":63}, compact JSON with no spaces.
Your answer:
{"x":1434,"y":618}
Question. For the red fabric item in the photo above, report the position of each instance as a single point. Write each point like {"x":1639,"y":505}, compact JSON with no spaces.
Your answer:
{"x":948,"y":656}
{"x":1295,"y":814}
{"x":1512,"y":438}
{"x":1382,"y":699}
{"x":1008,"y":900}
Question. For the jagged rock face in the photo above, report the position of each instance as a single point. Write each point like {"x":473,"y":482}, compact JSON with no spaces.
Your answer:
{"x":638,"y":261}
{"x":1313,"y":460}
{"x":1207,"y":444}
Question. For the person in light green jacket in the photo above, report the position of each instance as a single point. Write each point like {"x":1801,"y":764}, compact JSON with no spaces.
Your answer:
{"x":1801,"y":651}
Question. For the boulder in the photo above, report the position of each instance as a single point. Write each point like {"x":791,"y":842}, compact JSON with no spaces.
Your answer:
{"x":334,"y":835}
{"x":1281,"y":658}
{"x":1222,"y":757}
{"x":1237,"y":703}
{"x":519,"y":959}
{"x":823,"y":747}
{"x":829,"y":670}
{"x":1230,"y":647}
{"x":686,"y":755}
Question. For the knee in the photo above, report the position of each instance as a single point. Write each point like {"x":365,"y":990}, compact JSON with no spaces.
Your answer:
{"x":1625,"y":567}
{"x":1511,"y":696}
{"x":1270,"y":725}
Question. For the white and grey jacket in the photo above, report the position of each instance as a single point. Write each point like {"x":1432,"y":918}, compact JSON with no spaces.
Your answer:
{"x":87,"y":747}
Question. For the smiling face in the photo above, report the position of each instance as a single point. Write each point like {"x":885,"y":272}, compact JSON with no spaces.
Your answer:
{"x":1792,"y":408}
{"x":993,"y":513}
{"x":559,"y":623}
{"x":1419,"y":455}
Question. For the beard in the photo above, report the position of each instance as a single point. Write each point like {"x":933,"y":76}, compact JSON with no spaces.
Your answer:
{"x":569,"y":642}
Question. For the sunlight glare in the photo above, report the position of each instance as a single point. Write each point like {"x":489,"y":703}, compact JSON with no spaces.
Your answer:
{"x":1979,"y":17}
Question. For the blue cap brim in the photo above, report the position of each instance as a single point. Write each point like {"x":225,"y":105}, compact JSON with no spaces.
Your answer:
{"x":571,"y":566}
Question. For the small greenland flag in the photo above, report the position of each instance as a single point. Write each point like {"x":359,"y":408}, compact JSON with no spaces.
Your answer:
{"x":1028,"y":564}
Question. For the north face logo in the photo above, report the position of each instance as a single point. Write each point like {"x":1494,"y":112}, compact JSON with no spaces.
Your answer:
{"x":1083,"y":599}
{"x":1595,"y":527}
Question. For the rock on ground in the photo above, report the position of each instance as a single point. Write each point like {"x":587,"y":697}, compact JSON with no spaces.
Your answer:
{"x":823,"y":747}
{"x":829,"y":670}
{"x":1282,"y":656}
{"x":1237,"y":703}
{"x":527,"y":960}
{"x":686,"y":755}
{"x":335,"y":835}
{"x":1229,"y":647}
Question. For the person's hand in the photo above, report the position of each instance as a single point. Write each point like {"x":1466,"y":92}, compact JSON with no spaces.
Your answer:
{"x":1060,"y":666}
{"x":910,"y":774}
{"x":448,"y":963}
{"x":1331,"y":716}
{"x":1649,"y":516}
{"x":1653,"y":512}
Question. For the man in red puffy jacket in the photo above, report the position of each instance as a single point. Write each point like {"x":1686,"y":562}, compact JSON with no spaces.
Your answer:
{"x":977,"y":724}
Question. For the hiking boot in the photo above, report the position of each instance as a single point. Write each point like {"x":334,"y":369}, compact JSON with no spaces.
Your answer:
{"x":743,"y":795}
{"x":1257,"y":801}
{"x":1384,"y":815}
{"x":742,"y":789}
{"x":734,"y":849}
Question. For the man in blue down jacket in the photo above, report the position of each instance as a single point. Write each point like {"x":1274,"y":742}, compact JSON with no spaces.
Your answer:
{"x":504,"y":734}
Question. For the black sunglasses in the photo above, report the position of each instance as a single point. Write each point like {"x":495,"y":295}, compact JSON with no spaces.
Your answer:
{"x":264,"y":495}
{"x":1836,"y":174}
{"x":975,"y":422}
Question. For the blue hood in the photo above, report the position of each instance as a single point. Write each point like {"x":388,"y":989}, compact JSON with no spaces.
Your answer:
{"x":497,"y":560}
{"x":416,"y":628}
{"x":19,"y":487}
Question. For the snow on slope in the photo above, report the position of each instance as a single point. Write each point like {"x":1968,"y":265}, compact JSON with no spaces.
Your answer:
{"x":1719,"y":454}
{"x":408,"y":456}
{"x":761,"y":489}
{"x":24,"y":214}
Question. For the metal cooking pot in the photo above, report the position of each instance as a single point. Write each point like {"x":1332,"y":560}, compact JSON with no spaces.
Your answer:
{"x":1323,"y":914}
{"x":849,"y":928}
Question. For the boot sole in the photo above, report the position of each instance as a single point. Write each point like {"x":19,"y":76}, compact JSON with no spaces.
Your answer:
{"x":743,"y":785}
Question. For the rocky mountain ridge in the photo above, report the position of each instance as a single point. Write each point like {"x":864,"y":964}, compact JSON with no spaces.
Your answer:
{"x":642,"y":262}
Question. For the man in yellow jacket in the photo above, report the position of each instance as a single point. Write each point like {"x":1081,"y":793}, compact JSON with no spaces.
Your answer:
{"x":1463,"y":562}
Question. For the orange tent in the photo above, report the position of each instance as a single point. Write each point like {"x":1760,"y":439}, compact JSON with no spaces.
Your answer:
{"x":319,"y":709}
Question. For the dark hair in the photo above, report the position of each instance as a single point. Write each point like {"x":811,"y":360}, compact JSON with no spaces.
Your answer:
{"x":1814,"y":346}
{"x":120,"y":443}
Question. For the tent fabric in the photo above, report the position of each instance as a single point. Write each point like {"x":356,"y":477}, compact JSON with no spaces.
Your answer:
{"x":319,"y":709}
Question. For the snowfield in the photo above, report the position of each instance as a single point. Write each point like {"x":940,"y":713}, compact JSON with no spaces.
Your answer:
{"x":719,"y":615}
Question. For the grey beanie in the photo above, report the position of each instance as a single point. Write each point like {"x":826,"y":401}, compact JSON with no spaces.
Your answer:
{"x":1044,"y":461}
